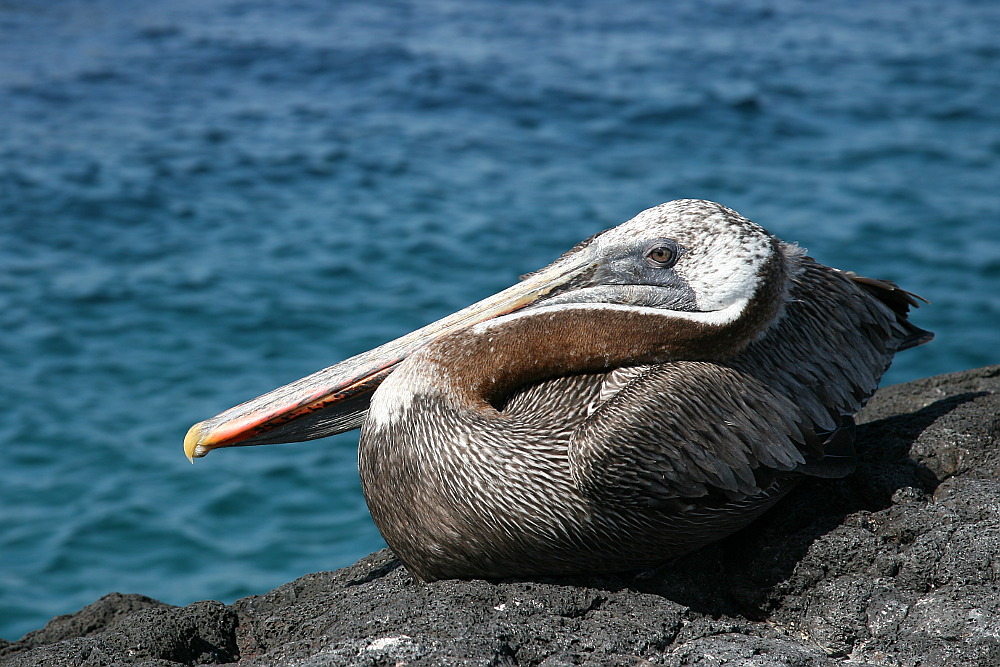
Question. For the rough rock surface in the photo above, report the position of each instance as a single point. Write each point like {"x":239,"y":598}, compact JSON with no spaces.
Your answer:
{"x":896,"y":565}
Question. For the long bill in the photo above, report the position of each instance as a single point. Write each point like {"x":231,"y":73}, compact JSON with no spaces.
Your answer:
{"x":336,"y":399}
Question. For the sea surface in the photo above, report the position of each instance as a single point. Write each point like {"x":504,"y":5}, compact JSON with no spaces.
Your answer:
{"x":200,"y":201}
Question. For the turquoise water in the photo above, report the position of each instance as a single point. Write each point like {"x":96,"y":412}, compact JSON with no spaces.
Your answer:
{"x":202,"y":201}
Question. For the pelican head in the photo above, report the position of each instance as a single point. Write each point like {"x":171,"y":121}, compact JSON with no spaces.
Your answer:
{"x":696,"y":263}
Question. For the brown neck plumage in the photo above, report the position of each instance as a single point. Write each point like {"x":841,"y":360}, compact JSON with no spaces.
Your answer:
{"x":488,"y":365}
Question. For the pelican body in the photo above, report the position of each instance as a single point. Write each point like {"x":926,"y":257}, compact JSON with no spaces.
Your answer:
{"x":656,"y":388}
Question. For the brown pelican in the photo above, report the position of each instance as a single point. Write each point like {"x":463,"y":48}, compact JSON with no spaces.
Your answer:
{"x":656,"y":388}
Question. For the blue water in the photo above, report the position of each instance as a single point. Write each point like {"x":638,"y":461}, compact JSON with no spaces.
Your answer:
{"x":202,"y":201}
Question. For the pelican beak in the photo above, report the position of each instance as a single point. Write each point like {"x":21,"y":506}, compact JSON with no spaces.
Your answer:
{"x":336,"y":399}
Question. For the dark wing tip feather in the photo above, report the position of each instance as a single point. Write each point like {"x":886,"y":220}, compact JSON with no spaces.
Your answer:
{"x":899,"y":301}
{"x":888,"y":293}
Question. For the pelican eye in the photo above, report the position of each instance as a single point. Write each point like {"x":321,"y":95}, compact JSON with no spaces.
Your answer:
{"x":661,"y":255}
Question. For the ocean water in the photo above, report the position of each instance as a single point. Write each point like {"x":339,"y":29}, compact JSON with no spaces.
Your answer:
{"x":202,"y":201}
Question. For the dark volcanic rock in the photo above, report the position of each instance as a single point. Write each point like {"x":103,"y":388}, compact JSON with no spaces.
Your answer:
{"x":896,"y":565}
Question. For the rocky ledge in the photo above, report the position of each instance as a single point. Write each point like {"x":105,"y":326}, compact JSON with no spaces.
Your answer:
{"x":896,"y":565}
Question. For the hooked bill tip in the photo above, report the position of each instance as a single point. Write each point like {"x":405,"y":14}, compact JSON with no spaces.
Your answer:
{"x":191,"y":441}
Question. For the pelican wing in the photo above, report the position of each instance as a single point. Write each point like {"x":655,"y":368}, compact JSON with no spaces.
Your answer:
{"x":689,"y":429}
{"x":686,"y":430}
{"x":836,"y":339}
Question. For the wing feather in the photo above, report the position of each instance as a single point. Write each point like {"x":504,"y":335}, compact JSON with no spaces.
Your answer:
{"x":689,"y":429}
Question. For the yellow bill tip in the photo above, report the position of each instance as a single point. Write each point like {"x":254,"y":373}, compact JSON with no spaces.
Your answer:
{"x":191,"y":440}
